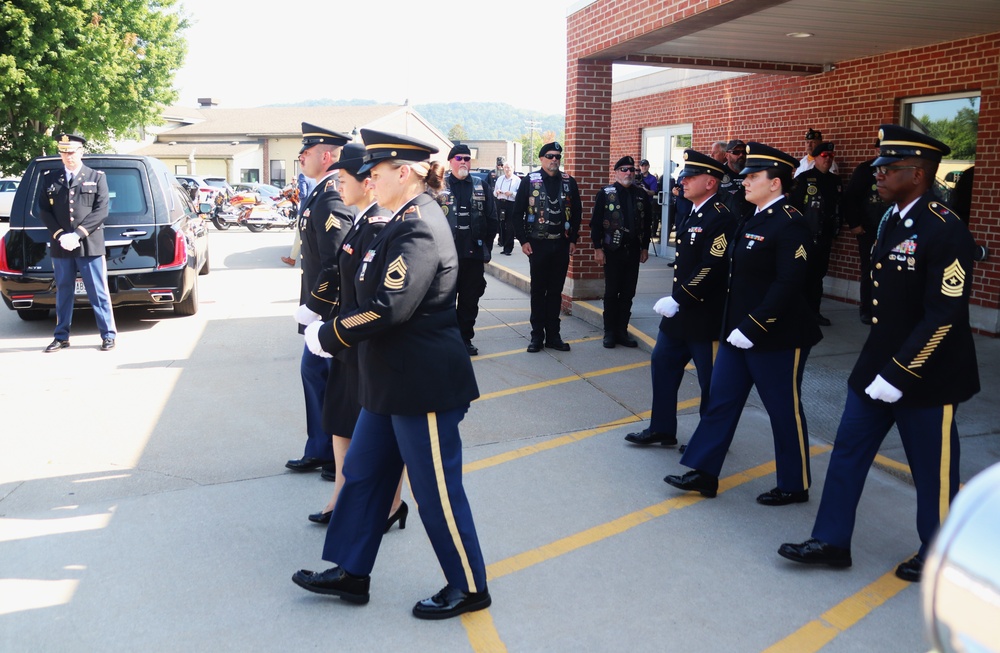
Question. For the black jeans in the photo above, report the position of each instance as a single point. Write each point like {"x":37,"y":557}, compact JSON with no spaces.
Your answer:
{"x":621,"y":274}
{"x":471,"y":286}
{"x":548,"y":262}
{"x":506,"y":212}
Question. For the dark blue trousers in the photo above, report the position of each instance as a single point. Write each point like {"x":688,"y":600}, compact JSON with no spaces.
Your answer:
{"x":431,"y":448}
{"x":315,"y":370}
{"x":777,"y":376}
{"x":93,"y":272}
{"x":930,"y":442}
{"x":666,"y":366}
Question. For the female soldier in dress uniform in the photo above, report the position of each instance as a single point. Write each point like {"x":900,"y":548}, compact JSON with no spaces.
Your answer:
{"x":416,"y":388}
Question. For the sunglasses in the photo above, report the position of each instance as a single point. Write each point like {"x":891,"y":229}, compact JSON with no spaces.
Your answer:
{"x":826,"y":155}
{"x":465,"y":159}
{"x":626,"y":169}
{"x":884,"y":170}
{"x":552,"y":156}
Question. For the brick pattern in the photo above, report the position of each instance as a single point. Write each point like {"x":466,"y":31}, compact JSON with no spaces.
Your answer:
{"x":846,"y":104}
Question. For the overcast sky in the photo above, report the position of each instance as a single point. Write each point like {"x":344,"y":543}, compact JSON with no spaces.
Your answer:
{"x":244,"y":55}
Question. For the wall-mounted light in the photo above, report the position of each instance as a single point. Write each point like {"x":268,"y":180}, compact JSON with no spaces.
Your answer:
{"x":799,"y":35}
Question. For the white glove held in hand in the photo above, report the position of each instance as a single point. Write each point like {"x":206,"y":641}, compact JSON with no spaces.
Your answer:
{"x":737,"y":339}
{"x":666,"y":306}
{"x":304,"y":316}
{"x":882,"y":390}
{"x":312,"y":340}
{"x":69,"y":241}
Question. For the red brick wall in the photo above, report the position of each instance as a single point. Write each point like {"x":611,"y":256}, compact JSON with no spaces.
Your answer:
{"x":846,"y":104}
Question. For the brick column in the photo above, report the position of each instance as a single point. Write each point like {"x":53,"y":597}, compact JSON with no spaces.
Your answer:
{"x":588,"y":142}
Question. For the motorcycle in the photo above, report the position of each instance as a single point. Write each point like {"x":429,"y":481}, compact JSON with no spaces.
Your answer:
{"x":259,"y":214}
{"x":223,"y":214}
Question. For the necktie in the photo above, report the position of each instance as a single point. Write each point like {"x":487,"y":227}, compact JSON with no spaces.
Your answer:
{"x":893,"y":220}
{"x":69,"y":180}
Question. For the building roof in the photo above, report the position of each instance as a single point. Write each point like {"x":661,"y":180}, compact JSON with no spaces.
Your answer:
{"x":281,"y":121}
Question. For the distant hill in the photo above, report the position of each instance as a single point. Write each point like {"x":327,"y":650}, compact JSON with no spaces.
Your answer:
{"x":480,"y":120}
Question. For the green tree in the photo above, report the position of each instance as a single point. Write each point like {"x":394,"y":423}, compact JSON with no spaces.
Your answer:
{"x":102,"y":68}
{"x":457,"y":133}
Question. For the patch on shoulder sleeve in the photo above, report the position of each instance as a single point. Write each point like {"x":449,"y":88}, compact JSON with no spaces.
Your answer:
{"x":801,"y":253}
{"x":718,"y":246}
{"x":395,"y":275}
{"x":953,"y":281}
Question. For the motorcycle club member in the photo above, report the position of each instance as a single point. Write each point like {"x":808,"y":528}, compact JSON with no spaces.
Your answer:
{"x":692,"y":312}
{"x":918,"y":363}
{"x":73,"y":204}
{"x":323,"y":223}
{"x":468,"y":205}
{"x":620,"y":227}
{"x":547,"y":213}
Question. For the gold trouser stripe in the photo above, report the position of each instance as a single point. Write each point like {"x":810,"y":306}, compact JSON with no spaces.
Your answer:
{"x":944,"y":491}
{"x":443,"y":497}
{"x":715,"y":351}
{"x":798,"y":420}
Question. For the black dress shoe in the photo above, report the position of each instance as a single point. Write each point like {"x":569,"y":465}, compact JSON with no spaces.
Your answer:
{"x":329,"y":472}
{"x":609,"y":341}
{"x":306,"y":464}
{"x":107,"y":344}
{"x":399,"y":516}
{"x":56,"y":345}
{"x":911,"y":570}
{"x":336,"y":582}
{"x":814,"y":552}
{"x":451,"y":602}
{"x":534,"y":346}
{"x":695,"y":481}
{"x":558,"y":345}
{"x":320,"y":517}
{"x":778,"y":497}
{"x":471,"y":348}
{"x":823,"y":321}
{"x":625,"y":340}
{"x":646,"y":436}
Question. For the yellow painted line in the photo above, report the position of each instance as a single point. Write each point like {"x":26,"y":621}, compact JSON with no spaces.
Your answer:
{"x":624,"y":523}
{"x":818,"y":633}
{"x":509,"y":271}
{"x":502,"y":326}
{"x":511,"y":352}
{"x":631,"y":329}
{"x":482,"y":632}
{"x":560,"y":381}
{"x":889,"y":462}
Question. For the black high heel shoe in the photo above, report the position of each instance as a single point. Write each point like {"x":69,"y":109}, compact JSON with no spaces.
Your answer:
{"x":320,"y":517}
{"x":399,"y":516}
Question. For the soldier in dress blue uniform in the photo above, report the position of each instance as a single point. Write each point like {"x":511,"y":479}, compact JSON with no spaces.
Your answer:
{"x":547,"y":214}
{"x":918,"y":363}
{"x":416,"y":385}
{"x":620,"y":228}
{"x":322,"y":224}
{"x":863,"y":210}
{"x":769,"y":330}
{"x":468,"y":205}
{"x":692,"y":313}
{"x":73,"y":205}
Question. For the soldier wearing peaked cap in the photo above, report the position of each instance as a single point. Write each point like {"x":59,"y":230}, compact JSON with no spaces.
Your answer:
{"x":323,"y":223}
{"x":768,"y":330}
{"x":918,"y":363}
{"x":416,"y":386}
{"x":620,"y":227}
{"x":692,"y":312}
{"x":73,"y":205}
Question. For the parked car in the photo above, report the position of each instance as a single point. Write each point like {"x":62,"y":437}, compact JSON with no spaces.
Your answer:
{"x":8,"y":186}
{"x":221,"y":184}
{"x":156,"y":242}
{"x":266,"y":191}
{"x":199,"y":188}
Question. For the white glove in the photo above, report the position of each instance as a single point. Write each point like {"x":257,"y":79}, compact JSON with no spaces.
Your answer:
{"x":666,"y":306}
{"x":737,"y":339}
{"x":69,"y":241}
{"x":305,"y":316}
{"x":882,"y":390}
{"x":312,"y":340}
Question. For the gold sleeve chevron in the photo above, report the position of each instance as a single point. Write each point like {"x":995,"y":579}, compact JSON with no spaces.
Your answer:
{"x":333,"y":222}
{"x":395,"y":275}
{"x":719,"y":246}
{"x":953,"y":280}
{"x":359,"y":319}
{"x":801,"y":253}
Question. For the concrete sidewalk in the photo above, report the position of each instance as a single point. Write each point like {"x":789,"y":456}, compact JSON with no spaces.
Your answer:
{"x":830,"y":362}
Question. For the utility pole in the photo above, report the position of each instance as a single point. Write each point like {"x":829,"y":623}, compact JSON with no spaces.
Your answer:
{"x":532,"y":124}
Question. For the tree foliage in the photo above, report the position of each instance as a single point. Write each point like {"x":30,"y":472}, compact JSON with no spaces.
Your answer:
{"x":959,"y":132}
{"x":457,"y":133}
{"x":100,"y":68}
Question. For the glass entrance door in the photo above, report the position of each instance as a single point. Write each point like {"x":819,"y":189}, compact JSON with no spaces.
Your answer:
{"x":664,"y":148}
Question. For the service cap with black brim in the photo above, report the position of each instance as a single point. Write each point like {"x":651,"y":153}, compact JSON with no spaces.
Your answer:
{"x":352,"y":159}
{"x":897,"y":143}
{"x":70,"y":142}
{"x":764,"y":157}
{"x":696,"y":163}
{"x":384,"y":146}
{"x":313,"y":135}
